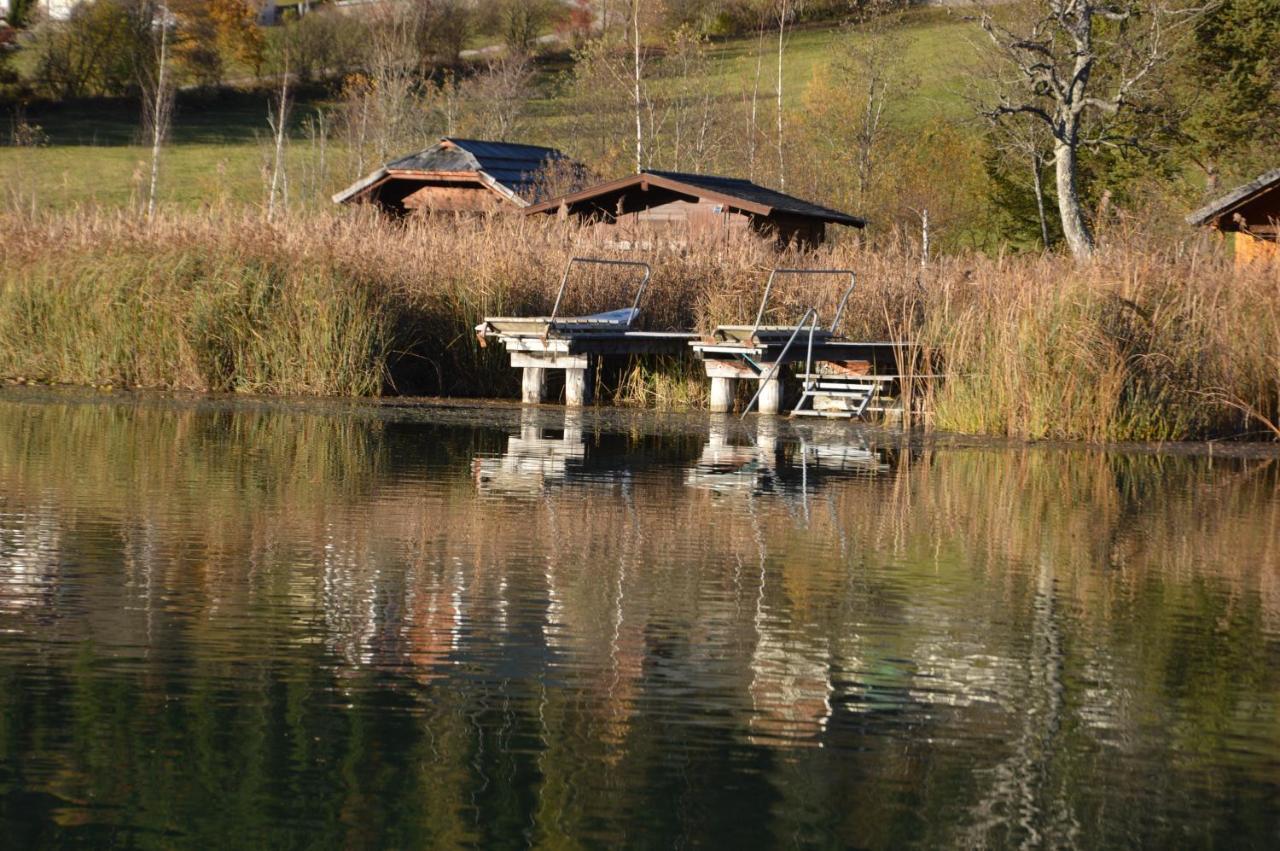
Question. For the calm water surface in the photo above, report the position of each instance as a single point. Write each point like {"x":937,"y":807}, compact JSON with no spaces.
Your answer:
{"x":308,"y":625}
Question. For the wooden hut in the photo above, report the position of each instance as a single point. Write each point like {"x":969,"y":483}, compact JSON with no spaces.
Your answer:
{"x":456,"y":175}
{"x":1252,"y":213}
{"x":694,"y":205}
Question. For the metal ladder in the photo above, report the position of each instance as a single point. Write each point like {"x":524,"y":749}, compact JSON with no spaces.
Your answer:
{"x":859,"y":390}
{"x":809,"y":319}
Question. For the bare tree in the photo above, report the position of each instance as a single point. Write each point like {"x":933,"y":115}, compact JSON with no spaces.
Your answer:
{"x":519,"y":21}
{"x":782,"y":29}
{"x":639,"y":70}
{"x":692,"y":109}
{"x":277,"y":117}
{"x":1076,"y":60}
{"x":499,"y":96}
{"x":1029,"y":145}
{"x":754,"y":131}
{"x":871,"y":68}
{"x":158,"y":104}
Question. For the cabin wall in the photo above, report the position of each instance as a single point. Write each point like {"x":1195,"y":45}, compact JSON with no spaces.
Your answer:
{"x":798,"y":231}
{"x":688,"y":221}
{"x":1250,"y":250}
{"x":698,"y":219}
{"x":455,"y":199}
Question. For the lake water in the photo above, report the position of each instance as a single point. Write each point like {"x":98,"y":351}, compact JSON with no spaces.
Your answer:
{"x":253,"y":624}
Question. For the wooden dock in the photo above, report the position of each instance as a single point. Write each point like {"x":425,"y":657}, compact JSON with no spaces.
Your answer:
{"x":732,"y":356}
{"x":576,"y":343}
{"x":765,"y":354}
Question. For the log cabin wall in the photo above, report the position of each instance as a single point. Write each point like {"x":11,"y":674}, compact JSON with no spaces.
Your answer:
{"x":455,"y":198}
{"x":690,"y":221}
{"x":699,"y":219}
{"x":1258,"y":221}
{"x":1250,"y":249}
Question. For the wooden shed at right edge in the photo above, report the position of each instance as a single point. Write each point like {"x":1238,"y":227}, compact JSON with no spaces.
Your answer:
{"x":1252,"y":213}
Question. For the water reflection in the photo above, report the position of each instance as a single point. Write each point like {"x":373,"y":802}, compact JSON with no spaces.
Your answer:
{"x":755,"y":459}
{"x":236,"y":624}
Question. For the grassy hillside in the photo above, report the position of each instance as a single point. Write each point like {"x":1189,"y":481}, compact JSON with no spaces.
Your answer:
{"x":220,"y":144}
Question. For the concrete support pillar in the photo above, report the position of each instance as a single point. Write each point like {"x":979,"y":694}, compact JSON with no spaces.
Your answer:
{"x":770,"y":401}
{"x":533,"y":384}
{"x":577,"y":392}
{"x":722,"y":393}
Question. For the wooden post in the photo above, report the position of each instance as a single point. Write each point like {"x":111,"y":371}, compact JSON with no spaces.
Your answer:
{"x":576,"y":390}
{"x":722,"y":393}
{"x":533,"y":384}
{"x":770,"y":401}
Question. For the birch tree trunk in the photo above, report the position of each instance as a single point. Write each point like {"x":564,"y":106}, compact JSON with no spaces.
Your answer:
{"x":755,"y":97}
{"x":635,"y":37}
{"x":782,"y":27}
{"x":279,"y":120}
{"x":159,"y":112}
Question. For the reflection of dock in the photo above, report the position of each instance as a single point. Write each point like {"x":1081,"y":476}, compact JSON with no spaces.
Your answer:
{"x":536,"y":457}
{"x":552,"y":449}
{"x":770,"y":465}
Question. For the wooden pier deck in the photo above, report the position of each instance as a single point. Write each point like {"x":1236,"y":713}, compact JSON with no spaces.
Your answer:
{"x":743,"y":352}
{"x":765,"y":352}
{"x":576,"y":343}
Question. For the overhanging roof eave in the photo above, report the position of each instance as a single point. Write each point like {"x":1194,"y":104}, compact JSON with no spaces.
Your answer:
{"x":624,"y":183}
{"x":1235,"y":199}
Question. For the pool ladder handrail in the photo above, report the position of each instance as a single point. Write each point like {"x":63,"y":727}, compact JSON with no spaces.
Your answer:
{"x":811,"y":319}
{"x":635,"y":304}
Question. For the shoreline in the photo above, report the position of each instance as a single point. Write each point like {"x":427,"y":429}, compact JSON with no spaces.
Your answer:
{"x":1145,"y":344}
{"x":508,"y":414}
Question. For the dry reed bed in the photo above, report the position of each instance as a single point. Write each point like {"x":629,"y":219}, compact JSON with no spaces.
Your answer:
{"x":1145,"y":343}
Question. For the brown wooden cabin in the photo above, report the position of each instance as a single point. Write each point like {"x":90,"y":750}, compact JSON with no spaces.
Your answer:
{"x":1252,"y":213}
{"x":455,"y":175}
{"x":699,"y":205}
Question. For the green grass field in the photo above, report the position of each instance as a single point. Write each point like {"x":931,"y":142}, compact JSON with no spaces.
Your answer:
{"x":220,"y":146}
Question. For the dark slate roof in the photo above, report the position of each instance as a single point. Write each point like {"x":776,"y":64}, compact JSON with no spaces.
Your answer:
{"x":746,"y":190}
{"x":733,"y":192}
{"x":507,"y":167}
{"x":1235,"y":198}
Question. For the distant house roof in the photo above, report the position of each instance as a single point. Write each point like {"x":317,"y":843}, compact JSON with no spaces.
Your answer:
{"x":509,"y":169}
{"x":1235,"y":199}
{"x":735,"y":193}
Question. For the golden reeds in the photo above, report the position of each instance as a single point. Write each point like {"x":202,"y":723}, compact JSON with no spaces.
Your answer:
{"x":1145,"y":343}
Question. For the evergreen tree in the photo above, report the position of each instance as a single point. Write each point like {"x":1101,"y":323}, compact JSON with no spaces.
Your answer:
{"x":1233,"y":68}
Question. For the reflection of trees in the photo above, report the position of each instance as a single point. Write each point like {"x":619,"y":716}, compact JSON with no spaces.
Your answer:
{"x":314,"y":625}
{"x":1025,"y":799}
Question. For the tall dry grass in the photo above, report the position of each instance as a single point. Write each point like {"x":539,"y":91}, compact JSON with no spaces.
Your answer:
{"x":1149,"y":342}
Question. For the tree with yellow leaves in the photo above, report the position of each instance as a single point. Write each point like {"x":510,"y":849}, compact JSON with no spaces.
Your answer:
{"x":215,"y":34}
